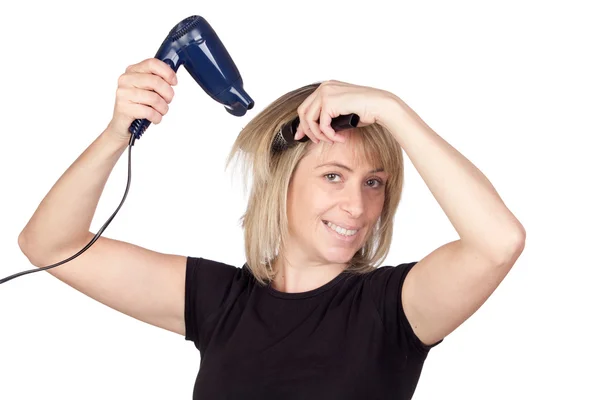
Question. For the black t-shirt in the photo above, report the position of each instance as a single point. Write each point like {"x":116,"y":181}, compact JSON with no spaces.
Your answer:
{"x":348,"y":339}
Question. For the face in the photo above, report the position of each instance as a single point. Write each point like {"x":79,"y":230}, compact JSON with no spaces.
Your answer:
{"x":334,"y":201}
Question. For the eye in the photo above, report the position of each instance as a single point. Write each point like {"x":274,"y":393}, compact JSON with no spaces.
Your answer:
{"x":329,"y":175}
{"x":373,"y":183}
{"x":379,"y":182}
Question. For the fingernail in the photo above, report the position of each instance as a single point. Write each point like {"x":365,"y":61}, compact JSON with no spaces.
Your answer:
{"x":297,"y":136}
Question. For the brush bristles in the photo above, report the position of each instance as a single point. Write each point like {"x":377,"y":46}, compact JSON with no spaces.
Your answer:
{"x":279,"y":143}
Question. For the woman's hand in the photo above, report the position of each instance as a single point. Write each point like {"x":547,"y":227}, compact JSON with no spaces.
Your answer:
{"x":144,"y":91}
{"x":333,"y":98}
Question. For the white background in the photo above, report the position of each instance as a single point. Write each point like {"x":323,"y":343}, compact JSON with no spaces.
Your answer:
{"x":513,"y":85}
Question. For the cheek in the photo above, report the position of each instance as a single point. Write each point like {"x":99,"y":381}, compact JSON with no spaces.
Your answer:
{"x":321,"y":203}
{"x":311,"y":208}
{"x":374,"y":209}
{"x":305,"y":204}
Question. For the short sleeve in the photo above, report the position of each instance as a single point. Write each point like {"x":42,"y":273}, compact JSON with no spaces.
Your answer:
{"x":207,"y":285}
{"x":385,"y":287}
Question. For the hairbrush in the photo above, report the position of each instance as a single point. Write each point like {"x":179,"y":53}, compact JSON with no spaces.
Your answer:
{"x":284,"y":138}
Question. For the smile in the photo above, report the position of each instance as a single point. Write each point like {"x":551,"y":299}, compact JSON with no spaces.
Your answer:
{"x":344,"y":233}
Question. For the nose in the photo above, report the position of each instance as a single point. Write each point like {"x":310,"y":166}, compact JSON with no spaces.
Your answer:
{"x":353,"y":203}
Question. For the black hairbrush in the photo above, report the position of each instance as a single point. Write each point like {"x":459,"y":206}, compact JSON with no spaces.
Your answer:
{"x":284,"y":138}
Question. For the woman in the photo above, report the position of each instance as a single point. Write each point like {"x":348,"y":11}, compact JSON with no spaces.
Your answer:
{"x":310,"y":314}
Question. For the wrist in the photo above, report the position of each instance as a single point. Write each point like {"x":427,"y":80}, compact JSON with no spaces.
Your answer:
{"x":112,"y":140}
{"x":392,"y":111}
{"x":398,"y":118}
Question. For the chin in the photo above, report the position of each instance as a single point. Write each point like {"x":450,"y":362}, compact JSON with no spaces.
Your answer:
{"x":339,"y":256}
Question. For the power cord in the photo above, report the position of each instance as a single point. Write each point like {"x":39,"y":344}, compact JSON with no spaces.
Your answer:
{"x":87,"y":246}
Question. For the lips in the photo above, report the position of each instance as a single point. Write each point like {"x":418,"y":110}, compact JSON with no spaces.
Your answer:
{"x":341,"y":238}
{"x":347,"y":227}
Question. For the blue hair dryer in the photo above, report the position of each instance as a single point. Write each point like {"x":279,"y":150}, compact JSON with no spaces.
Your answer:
{"x":195,"y":44}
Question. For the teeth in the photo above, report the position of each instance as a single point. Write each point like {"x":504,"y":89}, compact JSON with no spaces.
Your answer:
{"x":342,"y":231}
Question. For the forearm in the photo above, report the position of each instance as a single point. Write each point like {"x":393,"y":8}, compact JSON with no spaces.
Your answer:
{"x":466,"y":196}
{"x":65,"y":214}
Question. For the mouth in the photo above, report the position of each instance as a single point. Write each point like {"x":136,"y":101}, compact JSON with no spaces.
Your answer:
{"x":341,"y":232}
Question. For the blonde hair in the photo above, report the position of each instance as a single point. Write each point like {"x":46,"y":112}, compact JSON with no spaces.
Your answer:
{"x":265,"y":221}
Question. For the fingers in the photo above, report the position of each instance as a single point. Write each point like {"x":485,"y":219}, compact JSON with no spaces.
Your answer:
{"x":310,"y":119}
{"x":308,"y":112}
{"x":131,"y":99}
{"x":315,"y":120}
{"x":156,"y":67}
{"x":148,"y":82}
{"x":143,"y":111}
{"x":303,"y":128}
{"x":145,"y":91}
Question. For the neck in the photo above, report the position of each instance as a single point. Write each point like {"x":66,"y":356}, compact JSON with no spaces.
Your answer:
{"x":302,"y":276}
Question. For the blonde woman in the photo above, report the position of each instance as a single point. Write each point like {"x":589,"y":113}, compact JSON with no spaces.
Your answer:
{"x":312,"y":314}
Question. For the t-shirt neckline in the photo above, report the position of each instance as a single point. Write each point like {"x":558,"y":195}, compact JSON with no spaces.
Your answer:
{"x":309,"y":293}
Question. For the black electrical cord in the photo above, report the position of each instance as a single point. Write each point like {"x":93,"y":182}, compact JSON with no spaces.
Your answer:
{"x":87,"y":246}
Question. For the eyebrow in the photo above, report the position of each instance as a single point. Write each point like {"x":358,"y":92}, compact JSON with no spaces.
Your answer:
{"x":339,"y":165}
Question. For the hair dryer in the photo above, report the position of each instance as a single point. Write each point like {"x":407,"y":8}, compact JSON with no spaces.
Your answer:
{"x":194,"y":43}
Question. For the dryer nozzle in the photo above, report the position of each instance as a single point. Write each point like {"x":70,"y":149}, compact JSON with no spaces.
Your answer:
{"x":236,"y":100}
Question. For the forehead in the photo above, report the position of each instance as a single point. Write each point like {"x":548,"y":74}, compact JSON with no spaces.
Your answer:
{"x":353,"y":153}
